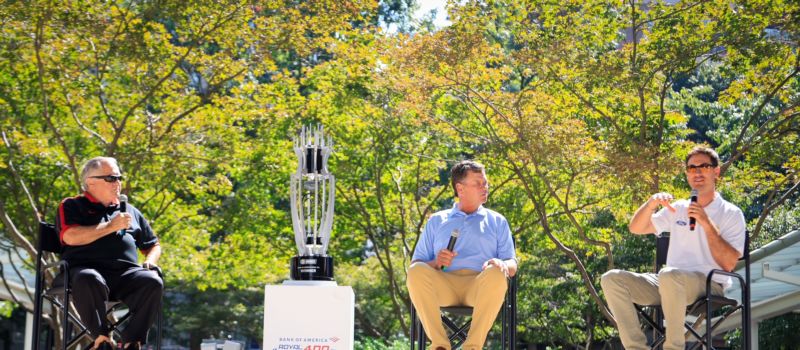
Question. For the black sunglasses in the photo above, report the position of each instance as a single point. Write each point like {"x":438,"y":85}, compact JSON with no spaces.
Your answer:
{"x":108,"y":178}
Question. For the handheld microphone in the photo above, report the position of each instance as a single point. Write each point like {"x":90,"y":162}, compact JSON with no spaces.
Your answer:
{"x":123,"y":203}
{"x":452,"y":243}
{"x":123,"y":207}
{"x":693,"y":221}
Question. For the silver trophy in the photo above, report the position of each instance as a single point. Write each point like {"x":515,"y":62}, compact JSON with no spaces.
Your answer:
{"x":312,"y":198}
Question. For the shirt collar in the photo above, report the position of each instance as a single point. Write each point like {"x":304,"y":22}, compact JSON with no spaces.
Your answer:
{"x":716,"y":203}
{"x":96,"y":202}
{"x":90,"y":197}
{"x":456,"y":211}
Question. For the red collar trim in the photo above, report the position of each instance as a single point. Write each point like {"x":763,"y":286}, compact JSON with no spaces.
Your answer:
{"x":90,"y":198}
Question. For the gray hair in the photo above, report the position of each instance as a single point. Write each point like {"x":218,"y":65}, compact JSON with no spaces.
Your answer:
{"x":94,"y":164}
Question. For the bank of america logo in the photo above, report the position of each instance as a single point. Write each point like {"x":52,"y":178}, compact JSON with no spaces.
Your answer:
{"x":334,"y":339}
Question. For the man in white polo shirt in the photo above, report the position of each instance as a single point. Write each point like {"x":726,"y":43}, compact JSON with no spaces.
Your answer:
{"x":716,"y":242}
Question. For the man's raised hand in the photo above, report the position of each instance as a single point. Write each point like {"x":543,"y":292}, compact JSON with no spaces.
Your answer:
{"x":661,"y":199}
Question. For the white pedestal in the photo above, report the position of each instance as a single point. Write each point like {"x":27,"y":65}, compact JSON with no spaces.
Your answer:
{"x":308,"y":315}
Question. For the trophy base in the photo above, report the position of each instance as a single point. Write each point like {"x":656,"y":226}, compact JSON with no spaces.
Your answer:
{"x":311,"y":268}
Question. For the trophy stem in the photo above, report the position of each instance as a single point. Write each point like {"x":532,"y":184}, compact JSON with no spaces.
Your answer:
{"x":316,"y":211}
{"x":312,"y":211}
{"x":309,"y":224}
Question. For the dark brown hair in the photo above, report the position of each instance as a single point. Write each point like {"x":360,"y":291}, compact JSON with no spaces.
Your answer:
{"x":703,"y":150}
{"x":460,"y":171}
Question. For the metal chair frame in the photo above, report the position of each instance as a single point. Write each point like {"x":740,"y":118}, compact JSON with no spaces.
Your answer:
{"x":704,"y":306}
{"x":458,"y":333}
{"x":59,"y":294}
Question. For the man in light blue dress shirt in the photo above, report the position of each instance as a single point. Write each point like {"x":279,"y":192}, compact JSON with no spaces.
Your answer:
{"x":474,"y":273}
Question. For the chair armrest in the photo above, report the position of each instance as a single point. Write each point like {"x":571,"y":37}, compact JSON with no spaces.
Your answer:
{"x":60,"y":263}
{"x":157,"y":269}
{"x":63,"y":270}
{"x":739,"y":277}
{"x":724,"y":273}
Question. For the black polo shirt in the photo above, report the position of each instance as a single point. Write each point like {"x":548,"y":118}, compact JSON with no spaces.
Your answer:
{"x":114,"y":251}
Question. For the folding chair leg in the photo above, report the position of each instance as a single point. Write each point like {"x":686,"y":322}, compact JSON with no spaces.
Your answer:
{"x":421,"y":337}
{"x":509,"y":316}
{"x":75,"y":322}
{"x":416,"y":332}
{"x":709,"y":329}
{"x":413,"y":327}
{"x":160,"y":324}
{"x":65,"y":318}
{"x":504,"y":327}
{"x":457,"y":332}
{"x":37,"y":307}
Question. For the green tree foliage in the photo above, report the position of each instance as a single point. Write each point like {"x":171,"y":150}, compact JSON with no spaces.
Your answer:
{"x":194,"y":99}
{"x":579,"y":109}
{"x":6,"y":308}
{"x":215,"y":314}
{"x":583,"y":102}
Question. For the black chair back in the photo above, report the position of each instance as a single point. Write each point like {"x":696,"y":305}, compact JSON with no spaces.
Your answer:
{"x":49,"y":240}
{"x":662,"y":247}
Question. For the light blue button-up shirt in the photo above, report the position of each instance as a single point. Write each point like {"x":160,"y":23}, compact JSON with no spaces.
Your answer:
{"x":483,"y":235}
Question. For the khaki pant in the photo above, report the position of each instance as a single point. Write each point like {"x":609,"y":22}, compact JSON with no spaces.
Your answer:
{"x":671,"y":288}
{"x":431,"y":288}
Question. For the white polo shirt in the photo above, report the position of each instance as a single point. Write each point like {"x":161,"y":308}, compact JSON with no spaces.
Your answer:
{"x":688,"y":250}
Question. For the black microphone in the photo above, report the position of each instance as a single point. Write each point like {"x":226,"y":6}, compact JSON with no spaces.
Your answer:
{"x":692,"y":221}
{"x":123,"y":203}
{"x":123,"y":207}
{"x":452,"y":243}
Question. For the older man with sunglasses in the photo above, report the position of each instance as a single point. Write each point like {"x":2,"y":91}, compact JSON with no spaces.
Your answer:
{"x":100,"y":244}
{"x":716,"y":242}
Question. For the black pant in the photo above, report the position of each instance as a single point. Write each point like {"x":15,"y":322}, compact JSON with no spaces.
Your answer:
{"x":138,"y":288}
